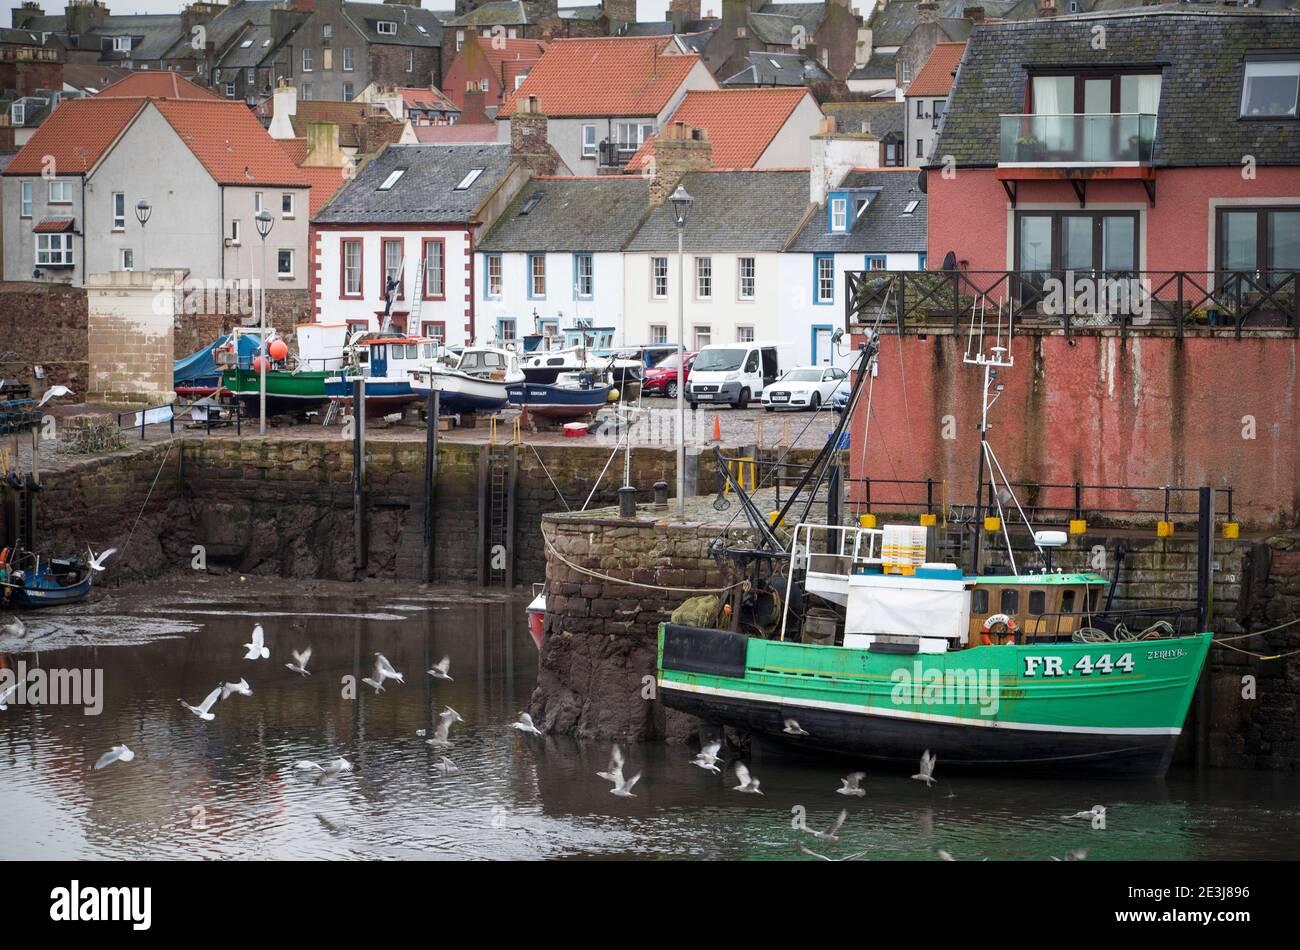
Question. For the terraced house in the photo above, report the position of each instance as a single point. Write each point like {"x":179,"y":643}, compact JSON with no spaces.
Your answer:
{"x":1173,"y":150}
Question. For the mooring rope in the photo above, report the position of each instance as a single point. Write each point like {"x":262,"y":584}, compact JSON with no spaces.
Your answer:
{"x":1224,"y":642}
{"x":617,"y":580}
{"x":148,"y":495}
{"x":563,"y":501}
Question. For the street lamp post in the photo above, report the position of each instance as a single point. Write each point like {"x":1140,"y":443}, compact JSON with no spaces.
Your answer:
{"x":681,"y":203}
{"x":142,"y":211}
{"x":264,"y":223}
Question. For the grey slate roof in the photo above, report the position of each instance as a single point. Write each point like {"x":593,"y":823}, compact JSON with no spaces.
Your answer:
{"x":880,"y":66}
{"x":573,"y":214}
{"x":893,"y":23}
{"x":408,"y":19}
{"x":777,"y":69}
{"x":504,"y":12}
{"x":425,"y":193}
{"x":882,"y":228}
{"x":1202,"y":57}
{"x":732,"y":211}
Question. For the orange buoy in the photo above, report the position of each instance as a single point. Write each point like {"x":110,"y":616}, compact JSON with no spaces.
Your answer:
{"x":278,"y":349}
{"x":257,"y":364}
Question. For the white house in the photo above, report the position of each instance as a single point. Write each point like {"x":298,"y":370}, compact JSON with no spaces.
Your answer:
{"x":554,"y":256}
{"x":413,"y":214}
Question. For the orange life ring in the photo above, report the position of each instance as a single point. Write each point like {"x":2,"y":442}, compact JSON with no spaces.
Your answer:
{"x":1008,"y":623}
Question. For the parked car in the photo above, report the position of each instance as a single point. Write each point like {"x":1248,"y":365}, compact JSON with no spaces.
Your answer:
{"x":734,"y":373}
{"x":840,"y":401}
{"x":663,"y":378}
{"x":805,"y":387}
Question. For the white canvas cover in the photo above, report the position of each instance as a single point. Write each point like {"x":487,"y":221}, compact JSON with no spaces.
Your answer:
{"x":907,"y":606}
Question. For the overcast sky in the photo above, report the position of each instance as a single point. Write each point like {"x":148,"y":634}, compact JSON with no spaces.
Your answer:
{"x":645,"y":9}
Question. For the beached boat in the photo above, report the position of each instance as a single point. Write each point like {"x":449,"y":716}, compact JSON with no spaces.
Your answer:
{"x":573,"y":396}
{"x":476,"y":383}
{"x":28,"y":580}
{"x":198,"y":374}
{"x":386,"y":362}
{"x":293,"y":383}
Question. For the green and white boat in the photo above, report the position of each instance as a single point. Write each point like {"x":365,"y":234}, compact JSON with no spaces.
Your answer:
{"x":855,"y":645}
{"x":293,"y":383}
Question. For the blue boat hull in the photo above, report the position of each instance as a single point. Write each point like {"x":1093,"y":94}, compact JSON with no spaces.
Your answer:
{"x":557,"y":402}
{"x":381,"y":395}
{"x":46,"y":594}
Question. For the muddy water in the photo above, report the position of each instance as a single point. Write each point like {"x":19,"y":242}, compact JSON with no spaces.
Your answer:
{"x":227,"y":788}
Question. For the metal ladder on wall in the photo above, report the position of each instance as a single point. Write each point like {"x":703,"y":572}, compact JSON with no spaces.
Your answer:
{"x":498,"y":518}
{"x":417,"y":294}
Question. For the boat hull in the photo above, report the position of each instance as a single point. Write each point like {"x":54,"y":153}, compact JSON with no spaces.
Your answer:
{"x":382,"y":395}
{"x":462,"y":393}
{"x":888,"y":707}
{"x":285,"y":391}
{"x":28,"y":598}
{"x":557,"y":402}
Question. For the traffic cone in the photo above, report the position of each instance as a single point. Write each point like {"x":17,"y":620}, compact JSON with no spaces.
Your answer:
{"x":717,"y":429}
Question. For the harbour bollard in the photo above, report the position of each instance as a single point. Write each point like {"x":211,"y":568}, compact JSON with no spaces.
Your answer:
{"x":661,"y":496}
{"x":627,"y":502}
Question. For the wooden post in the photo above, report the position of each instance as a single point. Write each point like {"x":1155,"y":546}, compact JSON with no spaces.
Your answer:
{"x":430,"y":478}
{"x":484,"y":477}
{"x":359,"y":526}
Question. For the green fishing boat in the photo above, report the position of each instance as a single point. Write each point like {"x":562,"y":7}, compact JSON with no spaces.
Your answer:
{"x":286,"y":390}
{"x":293,"y":382}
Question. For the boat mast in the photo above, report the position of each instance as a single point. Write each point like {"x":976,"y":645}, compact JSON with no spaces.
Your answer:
{"x":999,"y":356}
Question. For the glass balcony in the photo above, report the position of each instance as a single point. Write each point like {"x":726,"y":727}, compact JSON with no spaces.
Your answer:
{"x":1110,"y":139}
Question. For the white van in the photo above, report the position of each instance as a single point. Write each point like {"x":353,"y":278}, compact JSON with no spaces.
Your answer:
{"x":735,"y":373}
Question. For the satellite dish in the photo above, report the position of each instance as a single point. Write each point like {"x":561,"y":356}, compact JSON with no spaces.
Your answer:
{"x":950,"y":261}
{"x":920,"y":181}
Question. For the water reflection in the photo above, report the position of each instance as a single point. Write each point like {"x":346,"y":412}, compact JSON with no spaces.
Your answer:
{"x":227,"y":788}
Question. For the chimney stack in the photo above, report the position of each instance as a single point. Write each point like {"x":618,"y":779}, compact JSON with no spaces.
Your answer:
{"x":473,"y":106}
{"x":676,"y":151}
{"x":835,"y":154}
{"x":323,"y":146}
{"x":974,"y":14}
{"x":528,"y":143}
{"x":1046,"y":8}
{"x":927,"y":11}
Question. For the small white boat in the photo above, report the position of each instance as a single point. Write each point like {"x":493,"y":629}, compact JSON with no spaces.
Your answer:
{"x":477,"y":382}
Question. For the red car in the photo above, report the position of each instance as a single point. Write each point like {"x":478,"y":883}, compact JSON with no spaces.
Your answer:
{"x":664,"y":379}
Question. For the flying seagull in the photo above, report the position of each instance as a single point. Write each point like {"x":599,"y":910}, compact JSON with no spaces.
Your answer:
{"x":329,"y":768}
{"x":623,"y":787}
{"x":53,"y":392}
{"x":748,"y":783}
{"x":446,"y":766}
{"x":257,"y":648}
{"x":525,"y":724}
{"x":614,"y":771}
{"x":97,"y":562}
{"x":202,"y":709}
{"x":439,"y":671}
{"x":1096,"y":811}
{"x":119,"y":753}
{"x":707,"y":757}
{"x":852,"y":785}
{"x":1079,"y":854}
{"x":943,"y":855}
{"x":814,"y":854}
{"x":242,"y":688}
{"x":299,"y":664}
{"x":383,"y":671}
{"x":792,"y":728}
{"x":14,"y":628}
{"x":5,"y":695}
{"x":926,"y":774}
{"x":446,"y":718}
{"x":830,"y":833}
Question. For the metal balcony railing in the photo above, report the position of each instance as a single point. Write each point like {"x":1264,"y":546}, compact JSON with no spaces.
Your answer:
{"x":1111,"y":139}
{"x":615,"y":154}
{"x":1078,"y":301}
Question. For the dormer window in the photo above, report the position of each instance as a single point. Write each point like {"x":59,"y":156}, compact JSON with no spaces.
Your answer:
{"x":17,"y":113}
{"x":392,"y":178}
{"x":121,"y":44}
{"x":839,"y":214}
{"x":1271,"y":89}
{"x":386,"y":27}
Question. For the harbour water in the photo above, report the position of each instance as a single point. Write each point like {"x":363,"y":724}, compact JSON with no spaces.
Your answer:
{"x":227,"y":789}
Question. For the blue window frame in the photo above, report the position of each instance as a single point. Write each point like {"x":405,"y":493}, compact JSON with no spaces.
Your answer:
{"x":823,"y":279}
{"x":584,"y":275}
{"x":920,"y":261}
{"x":875,"y":262}
{"x":507,"y":329}
{"x":837,"y":213}
{"x":536,"y":276}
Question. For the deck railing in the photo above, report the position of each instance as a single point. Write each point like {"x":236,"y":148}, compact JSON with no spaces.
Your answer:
{"x":1130,"y":302}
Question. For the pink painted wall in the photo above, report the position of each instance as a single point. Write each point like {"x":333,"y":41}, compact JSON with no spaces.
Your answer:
{"x":968,"y":213}
{"x":1146,"y":411}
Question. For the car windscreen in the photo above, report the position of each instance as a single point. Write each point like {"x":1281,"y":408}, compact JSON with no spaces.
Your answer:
{"x":669,"y":362}
{"x":721,"y":360}
{"x":802,"y":376}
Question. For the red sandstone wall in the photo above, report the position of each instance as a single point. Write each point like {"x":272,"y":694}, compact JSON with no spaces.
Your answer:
{"x":1147,"y":411}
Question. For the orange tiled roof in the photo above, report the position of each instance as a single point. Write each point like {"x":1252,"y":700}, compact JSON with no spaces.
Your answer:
{"x":324,"y":182}
{"x":740,"y":123}
{"x":156,"y":85}
{"x":296,"y":149}
{"x":230,"y":142}
{"x":426,"y":98}
{"x":512,"y":58}
{"x":75,"y":136}
{"x":935,"y":77}
{"x":604,"y":76}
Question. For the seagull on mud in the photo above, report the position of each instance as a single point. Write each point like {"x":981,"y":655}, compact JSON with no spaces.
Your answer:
{"x":299,"y":664}
{"x":614,"y":771}
{"x":5,"y":695}
{"x":97,"y":561}
{"x":446,"y":718}
{"x":439,"y":671}
{"x":792,"y":728}
{"x":257,"y":648}
{"x":707,"y":757}
{"x":852,"y":785}
{"x":242,"y":688}
{"x":202,"y":710}
{"x":748,"y":784}
{"x":14,"y":628}
{"x":525,"y":724}
{"x":383,"y":671}
{"x":830,"y":833}
{"x":119,"y":753}
{"x":1096,"y":811}
{"x":926,"y":774}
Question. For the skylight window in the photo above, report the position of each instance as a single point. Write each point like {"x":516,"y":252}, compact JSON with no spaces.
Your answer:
{"x":386,"y":27}
{"x":911,"y":206}
{"x":246,"y":44}
{"x":392,"y":178}
{"x":533,"y":200}
{"x":775,"y":64}
{"x":469,"y":179}
{"x":1271,"y":89}
{"x":422,"y":29}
